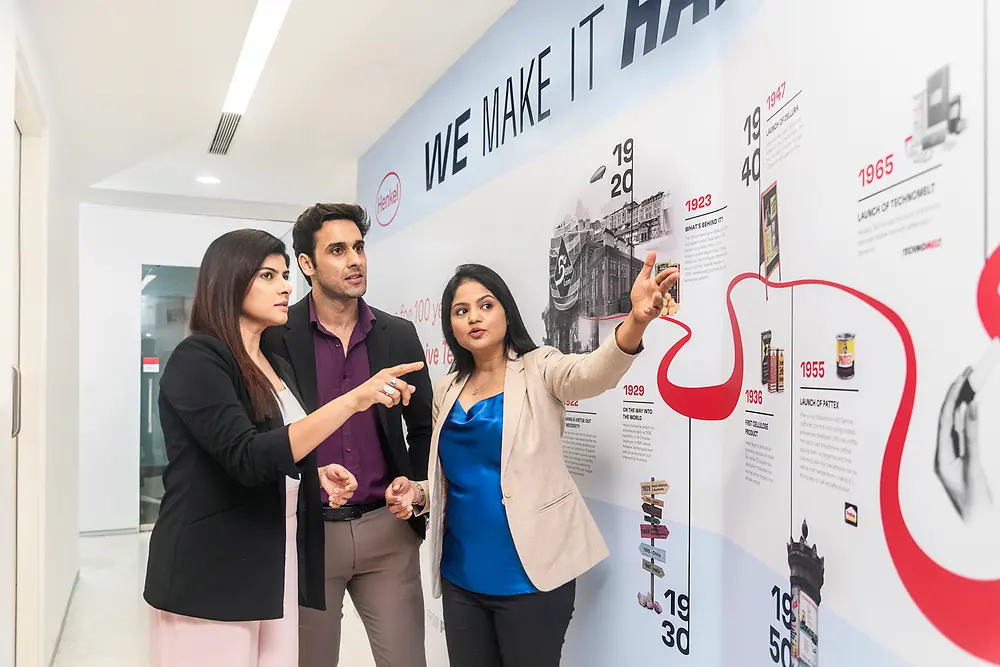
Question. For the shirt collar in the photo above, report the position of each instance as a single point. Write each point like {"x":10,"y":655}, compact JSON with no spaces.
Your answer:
{"x":366,"y":317}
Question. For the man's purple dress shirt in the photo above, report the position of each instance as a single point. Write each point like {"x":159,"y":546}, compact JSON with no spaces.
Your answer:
{"x":355,"y":445}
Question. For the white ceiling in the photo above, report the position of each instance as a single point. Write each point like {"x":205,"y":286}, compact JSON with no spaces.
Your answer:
{"x":138,"y":87}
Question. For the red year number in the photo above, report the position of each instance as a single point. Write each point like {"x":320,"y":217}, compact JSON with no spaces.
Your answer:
{"x":813,"y":369}
{"x":755,"y":396}
{"x":635,"y":390}
{"x":698,"y":202}
{"x":876,"y":171}
{"x":572,"y":404}
{"x":776,"y":96}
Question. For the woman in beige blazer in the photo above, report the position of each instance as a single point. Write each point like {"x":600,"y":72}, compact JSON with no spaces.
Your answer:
{"x":510,"y":532}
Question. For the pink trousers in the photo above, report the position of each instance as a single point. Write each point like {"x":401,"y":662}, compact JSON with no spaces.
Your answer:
{"x":183,"y":641}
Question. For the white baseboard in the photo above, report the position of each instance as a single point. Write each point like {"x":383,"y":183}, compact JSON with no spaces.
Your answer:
{"x":109,"y":533}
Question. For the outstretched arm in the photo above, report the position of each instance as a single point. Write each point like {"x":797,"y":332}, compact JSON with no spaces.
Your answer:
{"x":580,"y":376}
{"x":418,"y":413}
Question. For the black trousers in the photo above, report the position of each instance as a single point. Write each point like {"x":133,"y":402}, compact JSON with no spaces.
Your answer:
{"x":506,"y":631}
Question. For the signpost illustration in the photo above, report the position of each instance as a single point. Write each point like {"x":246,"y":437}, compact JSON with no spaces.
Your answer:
{"x":652,"y":529}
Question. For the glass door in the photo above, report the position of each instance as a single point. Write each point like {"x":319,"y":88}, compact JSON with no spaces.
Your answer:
{"x":299,"y":285}
{"x":167,"y":296}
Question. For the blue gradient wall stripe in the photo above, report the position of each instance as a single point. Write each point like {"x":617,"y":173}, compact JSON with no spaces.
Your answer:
{"x":520,"y":35}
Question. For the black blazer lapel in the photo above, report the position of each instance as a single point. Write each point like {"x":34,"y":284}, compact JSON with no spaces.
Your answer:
{"x":287,"y":375}
{"x":379,"y":344}
{"x":298,"y":338}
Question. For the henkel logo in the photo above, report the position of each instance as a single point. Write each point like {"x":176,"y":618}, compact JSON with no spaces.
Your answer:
{"x":388,"y":199}
{"x":851,"y":514}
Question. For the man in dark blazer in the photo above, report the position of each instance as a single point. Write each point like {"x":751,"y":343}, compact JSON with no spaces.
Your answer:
{"x":335,"y":341}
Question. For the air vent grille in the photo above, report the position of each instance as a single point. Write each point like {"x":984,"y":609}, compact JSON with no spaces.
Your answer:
{"x":224,"y":133}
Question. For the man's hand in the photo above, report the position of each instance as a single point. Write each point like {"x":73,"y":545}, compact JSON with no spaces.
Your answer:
{"x":400,"y":497}
{"x":338,"y":483}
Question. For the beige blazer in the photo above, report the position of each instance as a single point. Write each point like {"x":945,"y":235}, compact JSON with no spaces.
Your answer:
{"x":554,"y":533}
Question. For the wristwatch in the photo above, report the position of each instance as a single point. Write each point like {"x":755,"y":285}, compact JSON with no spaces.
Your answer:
{"x":420,"y":495}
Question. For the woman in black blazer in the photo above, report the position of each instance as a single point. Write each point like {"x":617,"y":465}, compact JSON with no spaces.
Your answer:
{"x":240,"y":507}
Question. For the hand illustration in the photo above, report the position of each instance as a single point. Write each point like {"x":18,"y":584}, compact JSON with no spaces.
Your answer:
{"x":958,"y":463}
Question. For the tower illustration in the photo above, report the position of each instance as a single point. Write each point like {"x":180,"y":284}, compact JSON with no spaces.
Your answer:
{"x":806,"y":569}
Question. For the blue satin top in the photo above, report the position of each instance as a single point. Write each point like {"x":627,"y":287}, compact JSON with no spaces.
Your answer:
{"x":478,"y":553}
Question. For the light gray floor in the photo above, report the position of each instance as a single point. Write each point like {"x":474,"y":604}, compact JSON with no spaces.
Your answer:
{"x":107,"y":621}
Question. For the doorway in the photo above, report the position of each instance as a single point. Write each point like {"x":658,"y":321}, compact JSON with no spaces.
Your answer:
{"x":167,"y":297}
{"x":26,"y":593}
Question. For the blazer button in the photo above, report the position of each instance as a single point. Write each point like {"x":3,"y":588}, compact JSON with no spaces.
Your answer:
{"x":506,"y":493}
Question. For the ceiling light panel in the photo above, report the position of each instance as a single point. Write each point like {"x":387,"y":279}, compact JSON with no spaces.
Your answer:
{"x":264,"y":28}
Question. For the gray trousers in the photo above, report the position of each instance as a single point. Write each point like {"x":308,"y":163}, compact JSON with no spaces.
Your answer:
{"x":377,"y":560}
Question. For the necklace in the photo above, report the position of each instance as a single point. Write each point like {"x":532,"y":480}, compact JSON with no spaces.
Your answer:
{"x":475,"y":389}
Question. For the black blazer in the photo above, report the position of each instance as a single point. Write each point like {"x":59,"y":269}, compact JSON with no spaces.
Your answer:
{"x":217,"y":550}
{"x":391,"y":341}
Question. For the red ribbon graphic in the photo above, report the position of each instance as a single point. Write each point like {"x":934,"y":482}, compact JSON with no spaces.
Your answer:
{"x":967,"y":611}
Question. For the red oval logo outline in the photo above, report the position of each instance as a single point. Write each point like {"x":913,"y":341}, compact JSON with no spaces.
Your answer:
{"x":393,"y":199}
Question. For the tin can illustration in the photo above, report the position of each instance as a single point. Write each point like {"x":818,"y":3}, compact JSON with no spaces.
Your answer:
{"x":765,"y":356}
{"x":772,"y":370}
{"x":675,"y":289}
{"x":845,"y":356}
{"x":781,"y":370}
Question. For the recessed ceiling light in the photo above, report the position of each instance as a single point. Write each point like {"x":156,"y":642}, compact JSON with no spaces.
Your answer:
{"x":208,"y":180}
{"x":264,"y":28}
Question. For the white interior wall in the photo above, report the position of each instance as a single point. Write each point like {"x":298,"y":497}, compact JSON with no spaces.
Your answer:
{"x":114,"y":244}
{"x":46,"y":537}
{"x":48,"y":529}
{"x":55,"y":484}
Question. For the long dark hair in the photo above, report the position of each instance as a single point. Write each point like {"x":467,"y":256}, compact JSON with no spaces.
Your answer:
{"x":517,"y":342}
{"x":227,"y":272}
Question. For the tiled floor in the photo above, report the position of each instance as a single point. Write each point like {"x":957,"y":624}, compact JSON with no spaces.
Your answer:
{"x":107,"y":621}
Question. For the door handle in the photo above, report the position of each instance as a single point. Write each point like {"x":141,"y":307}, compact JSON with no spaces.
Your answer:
{"x":149,"y":408}
{"x":15,"y":419}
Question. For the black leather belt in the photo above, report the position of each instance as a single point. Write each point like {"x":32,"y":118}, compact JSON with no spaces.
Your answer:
{"x":350,"y":512}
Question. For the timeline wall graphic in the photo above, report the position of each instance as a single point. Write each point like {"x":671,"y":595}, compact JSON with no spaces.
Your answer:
{"x":800,"y":468}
